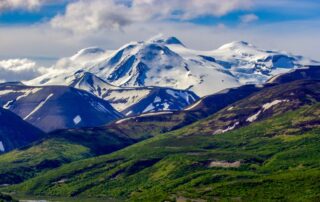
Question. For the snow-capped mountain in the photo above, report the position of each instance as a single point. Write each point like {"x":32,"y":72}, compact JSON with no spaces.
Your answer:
{"x":251,"y":64}
{"x":162,"y":99}
{"x":56,"y":107}
{"x":15,"y":132}
{"x":166,"y":62}
{"x":132,"y":100}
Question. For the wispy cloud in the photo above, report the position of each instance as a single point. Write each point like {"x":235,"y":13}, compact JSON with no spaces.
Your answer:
{"x":20,"y":4}
{"x":248,"y":18}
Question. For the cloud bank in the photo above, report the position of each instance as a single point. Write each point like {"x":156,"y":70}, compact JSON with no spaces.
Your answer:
{"x":19,"y":70}
{"x":96,"y":15}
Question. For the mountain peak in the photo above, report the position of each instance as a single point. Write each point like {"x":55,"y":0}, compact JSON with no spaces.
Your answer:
{"x":86,"y":80}
{"x":89,"y":52}
{"x":236,"y":45}
{"x":160,"y":38}
{"x":173,"y":40}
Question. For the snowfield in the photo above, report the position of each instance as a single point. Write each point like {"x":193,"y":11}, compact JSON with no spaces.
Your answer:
{"x":166,"y":62}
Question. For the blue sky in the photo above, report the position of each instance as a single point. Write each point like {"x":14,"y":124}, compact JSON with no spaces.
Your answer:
{"x":45,"y":31}
{"x":18,"y":17}
{"x":291,"y":10}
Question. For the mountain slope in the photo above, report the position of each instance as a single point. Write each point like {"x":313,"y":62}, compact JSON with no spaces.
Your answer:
{"x":251,"y":64}
{"x":134,"y":129}
{"x":264,"y":161}
{"x":15,"y":133}
{"x":162,"y":99}
{"x":132,"y":99}
{"x":270,"y":101}
{"x":231,"y":109}
{"x":56,"y":149}
{"x":309,"y":72}
{"x":150,"y":124}
{"x":124,"y":132}
{"x":64,"y":146}
{"x":166,"y":62}
{"x":56,"y":107}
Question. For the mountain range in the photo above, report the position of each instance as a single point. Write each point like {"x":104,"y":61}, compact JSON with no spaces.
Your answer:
{"x":134,"y":100}
{"x":264,"y":137}
{"x":156,"y":121}
{"x":167,"y":62}
{"x":158,"y":79}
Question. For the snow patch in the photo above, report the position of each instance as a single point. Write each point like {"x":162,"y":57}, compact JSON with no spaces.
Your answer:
{"x":193,"y":106}
{"x":8,"y":104}
{"x":264,"y":108}
{"x":166,"y":106}
{"x":229,"y":128}
{"x":154,"y":114}
{"x":127,"y":114}
{"x":38,"y":107}
{"x":254,"y":117}
{"x":2,"y":149}
{"x":171,"y":92}
{"x":271,"y":104}
{"x":77,"y":120}
{"x":25,"y":91}
{"x":149,"y":108}
{"x":122,"y":98}
{"x":143,"y":115}
{"x":123,"y":120}
{"x":157,"y":99}
{"x":230,"y":108}
{"x":4,"y":92}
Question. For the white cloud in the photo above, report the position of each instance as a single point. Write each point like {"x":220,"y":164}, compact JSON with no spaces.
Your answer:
{"x":20,"y":4}
{"x":97,"y":15}
{"x":85,"y":16}
{"x":19,"y":69}
{"x":248,"y":18}
{"x":29,"y":5}
{"x":41,"y":40}
{"x":97,"y":28}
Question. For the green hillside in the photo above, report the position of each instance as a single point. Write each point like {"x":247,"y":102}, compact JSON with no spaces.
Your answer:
{"x":22,"y":164}
{"x":273,"y":160}
{"x":57,"y":149}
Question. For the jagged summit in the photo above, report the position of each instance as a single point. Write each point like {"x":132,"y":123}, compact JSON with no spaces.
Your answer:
{"x":173,"y":40}
{"x":162,"y":39}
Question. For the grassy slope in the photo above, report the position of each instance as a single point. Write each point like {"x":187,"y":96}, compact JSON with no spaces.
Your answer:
{"x":102,"y":140}
{"x":58,"y":149}
{"x":294,"y":95}
{"x":22,"y":164}
{"x":279,"y":161}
